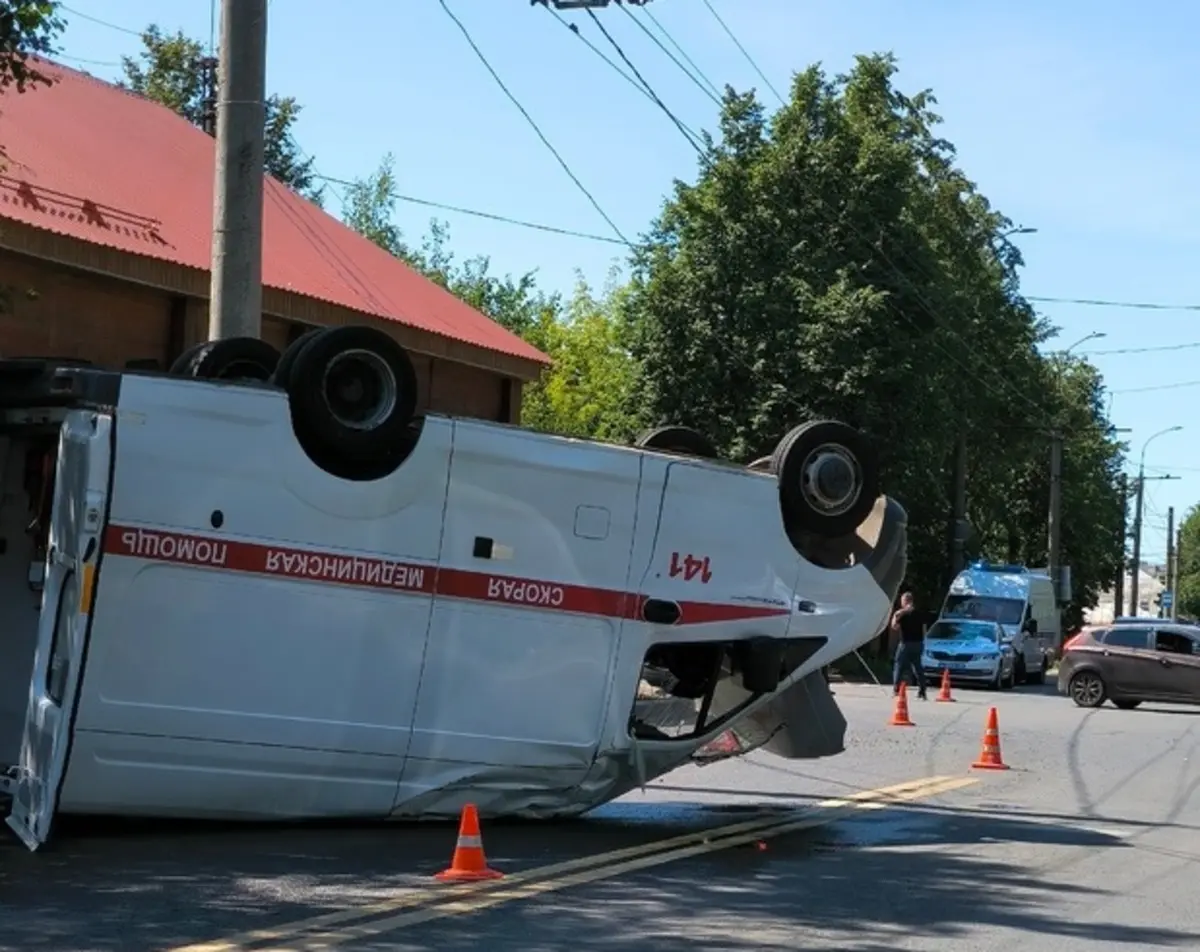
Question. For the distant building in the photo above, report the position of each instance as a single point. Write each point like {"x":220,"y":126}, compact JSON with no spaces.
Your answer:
{"x":1150,"y":586}
{"x":106,"y":238}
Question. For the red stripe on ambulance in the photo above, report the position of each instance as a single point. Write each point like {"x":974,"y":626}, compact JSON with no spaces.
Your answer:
{"x":390,"y":575}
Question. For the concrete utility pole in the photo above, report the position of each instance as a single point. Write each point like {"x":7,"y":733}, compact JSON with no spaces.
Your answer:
{"x":235,"y":299}
{"x":1170,"y":563}
{"x":1137,"y":518}
{"x":1119,"y":584}
{"x":1178,"y":562}
{"x":1055,"y":518}
{"x":1136,"y":561}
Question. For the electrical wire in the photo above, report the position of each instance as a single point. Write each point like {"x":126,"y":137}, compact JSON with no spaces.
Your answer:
{"x":662,"y":105}
{"x":682,"y":52}
{"x":97,"y":20}
{"x":532,"y":123}
{"x":1180,"y":385}
{"x":607,"y":59}
{"x":657,"y":42}
{"x":1191,"y":345}
{"x":749,"y":58}
{"x":490,"y":216}
{"x":1094,"y":302}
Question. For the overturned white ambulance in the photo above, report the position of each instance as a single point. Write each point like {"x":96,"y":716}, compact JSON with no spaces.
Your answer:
{"x":260,"y":586}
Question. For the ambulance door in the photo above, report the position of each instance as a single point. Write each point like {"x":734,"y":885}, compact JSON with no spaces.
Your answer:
{"x":80,"y":497}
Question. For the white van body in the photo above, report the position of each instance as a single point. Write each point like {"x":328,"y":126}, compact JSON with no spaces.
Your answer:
{"x":1011,"y":595}
{"x":220,"y":629}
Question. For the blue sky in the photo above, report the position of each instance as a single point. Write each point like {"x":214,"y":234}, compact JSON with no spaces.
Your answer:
{"x":1079,"y":120}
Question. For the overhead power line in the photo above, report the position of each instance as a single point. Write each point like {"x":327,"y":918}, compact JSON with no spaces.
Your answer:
{"x":749,"y":58}
{"x":476,"y":213}
{"x":532,"y":123}
{"x":97,"y":20}
{"x":1094,"y":302}
{"x":715,"y":97}
{"x":1161,"y":386}
{"x":682,"y":52}
{"x":1140,"y":350}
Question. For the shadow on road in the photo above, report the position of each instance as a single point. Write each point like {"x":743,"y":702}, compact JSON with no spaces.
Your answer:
{"x":863,"y":884}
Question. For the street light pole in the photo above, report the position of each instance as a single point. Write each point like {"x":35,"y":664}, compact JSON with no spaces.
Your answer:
{"x":1137,"y":519}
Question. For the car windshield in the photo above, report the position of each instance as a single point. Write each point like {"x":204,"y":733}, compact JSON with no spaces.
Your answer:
{"x":962,"y":630}
{"x":1006,"y":611}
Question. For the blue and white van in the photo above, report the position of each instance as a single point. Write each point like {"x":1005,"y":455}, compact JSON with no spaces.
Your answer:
{"x":1022,"y":601}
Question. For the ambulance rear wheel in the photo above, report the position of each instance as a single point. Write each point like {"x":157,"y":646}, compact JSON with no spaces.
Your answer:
{"x":234,"y":358}
{"x":677,"y":439}
{"x":353,"y":394}
{"x":283,"y":369}
{"x":828,"y":478}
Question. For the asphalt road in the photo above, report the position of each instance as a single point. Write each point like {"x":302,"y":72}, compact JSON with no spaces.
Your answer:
{"x":1088,"y":843}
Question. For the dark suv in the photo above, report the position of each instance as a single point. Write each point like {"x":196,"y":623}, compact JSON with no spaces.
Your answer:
{"x":1129,"y":662}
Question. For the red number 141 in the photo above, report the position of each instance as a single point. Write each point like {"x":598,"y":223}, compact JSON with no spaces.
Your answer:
{"x":689,"y":567}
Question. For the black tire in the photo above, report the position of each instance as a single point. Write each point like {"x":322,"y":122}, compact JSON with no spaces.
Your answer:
{"x":677,"y":439}
{"x":828,"y":478}
{"x":1126,"y":705}
{"x":1020,"y":675}
{"x":1039,"y":676}
{"x":1087,"y":689}
{"x":179,"y":367}
{"x":354,"y":425}
{"x":1011,"y":682}
{"x":283,"y":370}
{"x":234,"y":358}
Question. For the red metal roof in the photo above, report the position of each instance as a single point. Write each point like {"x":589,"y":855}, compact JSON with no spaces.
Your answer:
{"x":92,"y":161}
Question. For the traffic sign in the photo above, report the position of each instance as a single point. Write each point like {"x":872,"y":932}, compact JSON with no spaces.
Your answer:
{"x":1167,"y":598}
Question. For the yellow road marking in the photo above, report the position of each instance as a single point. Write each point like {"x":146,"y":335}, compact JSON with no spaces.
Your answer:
{"x":830,"y":810}
{"x":465,"y":899}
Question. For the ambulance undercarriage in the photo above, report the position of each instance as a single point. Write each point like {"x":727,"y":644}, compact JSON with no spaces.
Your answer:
{"x":262,"y":599}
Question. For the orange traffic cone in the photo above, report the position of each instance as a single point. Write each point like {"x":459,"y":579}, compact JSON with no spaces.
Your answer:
{"x":469,"y":864}
{"x":989,"y":756}
{"x":944,"y":693}
{"x":900,"y":714}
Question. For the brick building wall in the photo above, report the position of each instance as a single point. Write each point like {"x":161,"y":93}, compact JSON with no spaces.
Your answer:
{"x":54,"y":310}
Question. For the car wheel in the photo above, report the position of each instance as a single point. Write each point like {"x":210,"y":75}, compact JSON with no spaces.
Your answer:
{"x":828,"y":478}
{"x":997,"y":682}
{"x":1010,"y":682}
{"x":1039,"y":676}
{"x":1126,"y":705}
{"x":1087,"y":689}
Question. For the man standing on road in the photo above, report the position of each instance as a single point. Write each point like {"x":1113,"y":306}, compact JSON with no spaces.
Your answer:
{"x":907,"y":623}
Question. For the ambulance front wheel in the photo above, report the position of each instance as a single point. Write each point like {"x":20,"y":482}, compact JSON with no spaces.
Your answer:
{"x":233,"y":358}
{"x":828,"y":478}
{"x":677,"y":439}
{"x":353,"y":396}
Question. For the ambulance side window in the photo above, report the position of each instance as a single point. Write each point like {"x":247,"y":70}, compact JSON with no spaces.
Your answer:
{"x":60,"y":645}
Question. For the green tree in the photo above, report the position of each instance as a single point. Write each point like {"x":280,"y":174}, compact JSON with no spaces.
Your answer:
{"x":1188,"y":587}
{"x":170,"y":69}
{"x":27,"y":28}
{"x":832,"y":261}
{"x":588,"y":390}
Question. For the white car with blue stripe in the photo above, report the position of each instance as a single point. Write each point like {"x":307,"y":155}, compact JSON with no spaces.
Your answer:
{"x":971,"y":650}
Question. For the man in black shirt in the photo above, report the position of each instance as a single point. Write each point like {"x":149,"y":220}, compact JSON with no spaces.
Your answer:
{"x":907,"y":623}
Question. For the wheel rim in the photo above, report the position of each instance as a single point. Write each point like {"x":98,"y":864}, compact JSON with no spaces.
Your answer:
{"x":1087,"y":690}
{"x":831,"y":479}
{"x":360,"y":389}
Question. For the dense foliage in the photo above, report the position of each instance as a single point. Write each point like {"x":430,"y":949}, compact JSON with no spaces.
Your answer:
{"x":832,"y":261}
{"x":1188,"y":586}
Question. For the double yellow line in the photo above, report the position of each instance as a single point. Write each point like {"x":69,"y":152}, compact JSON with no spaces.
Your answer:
{"x":334,"y":929}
